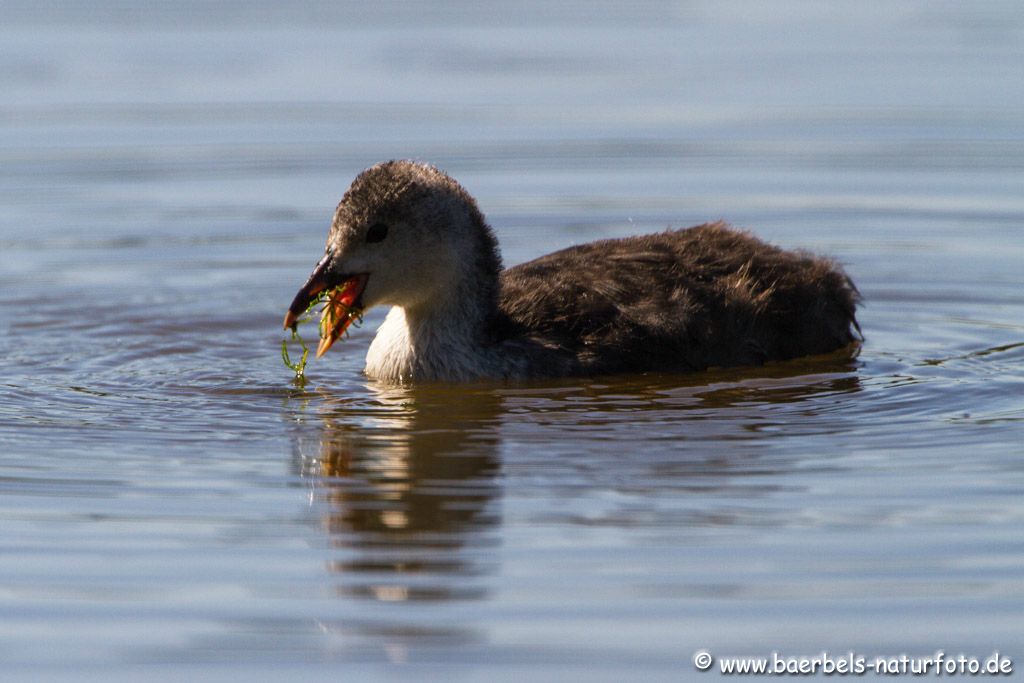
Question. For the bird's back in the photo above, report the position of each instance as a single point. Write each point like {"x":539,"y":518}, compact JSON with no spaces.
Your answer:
{"x":679,"y":300}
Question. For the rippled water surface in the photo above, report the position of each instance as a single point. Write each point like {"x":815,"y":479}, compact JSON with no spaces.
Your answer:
{"x":170,"y":501}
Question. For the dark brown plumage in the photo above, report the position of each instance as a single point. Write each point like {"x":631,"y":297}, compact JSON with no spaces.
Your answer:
{"x":678,"y":300}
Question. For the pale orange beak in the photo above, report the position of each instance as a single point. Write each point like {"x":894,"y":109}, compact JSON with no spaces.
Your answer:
{"x":339,"y":311}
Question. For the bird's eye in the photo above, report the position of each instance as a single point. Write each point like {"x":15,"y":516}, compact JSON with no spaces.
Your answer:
{"x":376,"y":233}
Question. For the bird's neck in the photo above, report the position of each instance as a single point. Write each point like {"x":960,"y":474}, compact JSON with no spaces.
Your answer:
{"x":448,"y":335}
{"x":444,"y":338}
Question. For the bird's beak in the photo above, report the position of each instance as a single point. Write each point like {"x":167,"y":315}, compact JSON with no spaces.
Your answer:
{"x":343,"y":305}
{"x":316,"y":283}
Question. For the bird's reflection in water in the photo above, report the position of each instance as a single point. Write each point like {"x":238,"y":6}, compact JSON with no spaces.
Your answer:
{"x":406,"y":482}
{"x":408,"y":491}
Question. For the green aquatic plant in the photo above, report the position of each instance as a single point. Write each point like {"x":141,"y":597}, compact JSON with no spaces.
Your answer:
{"x":298,"y":368}
{"x":335,"y":318}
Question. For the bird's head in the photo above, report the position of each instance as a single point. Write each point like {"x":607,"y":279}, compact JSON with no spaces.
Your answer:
{"x":403,"y":235}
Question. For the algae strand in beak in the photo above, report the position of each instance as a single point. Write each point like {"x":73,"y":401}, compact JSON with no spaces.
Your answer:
{"x":334,"y":314}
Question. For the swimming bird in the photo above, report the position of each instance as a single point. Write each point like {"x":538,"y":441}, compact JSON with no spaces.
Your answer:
{"x":409,"y":236}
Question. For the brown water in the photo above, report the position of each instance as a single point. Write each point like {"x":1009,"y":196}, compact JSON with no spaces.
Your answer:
{"x":172,"y":502}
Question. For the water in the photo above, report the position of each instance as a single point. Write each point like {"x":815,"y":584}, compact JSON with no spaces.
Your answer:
{"x":172,"y":502}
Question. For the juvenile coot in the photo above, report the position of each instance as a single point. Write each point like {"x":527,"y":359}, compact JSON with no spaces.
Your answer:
{"x":409,"y":236}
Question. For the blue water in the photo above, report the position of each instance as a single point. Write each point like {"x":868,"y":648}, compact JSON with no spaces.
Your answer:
{"x":173,"y":505}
